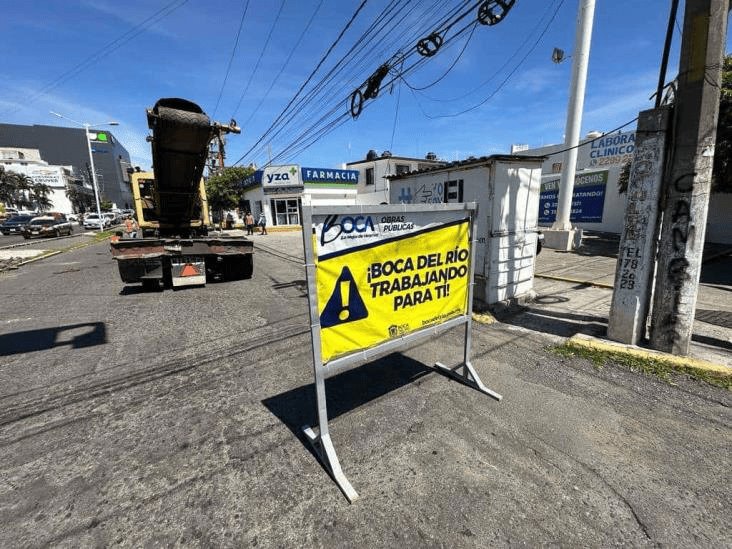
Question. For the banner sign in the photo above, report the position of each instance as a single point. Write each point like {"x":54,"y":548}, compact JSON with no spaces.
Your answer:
{"x":381,"y":278}
{"x":409,"y":274}
{"x":588,"y":198}
{"x":329,"y":177}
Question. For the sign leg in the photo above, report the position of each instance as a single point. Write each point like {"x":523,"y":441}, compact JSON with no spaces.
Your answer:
{"x":326,"y":452}
{"x":466,"y":374}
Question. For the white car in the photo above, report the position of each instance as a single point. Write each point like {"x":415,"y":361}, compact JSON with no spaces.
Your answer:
{"x":112,"y":216}
{"x":91,"y":221}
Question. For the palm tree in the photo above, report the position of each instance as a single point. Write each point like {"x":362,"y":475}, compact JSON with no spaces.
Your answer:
{"x":39,"y":195}
{"x":15,"y":188}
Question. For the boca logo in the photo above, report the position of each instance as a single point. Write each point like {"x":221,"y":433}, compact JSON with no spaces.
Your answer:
{"x":333,"y":228}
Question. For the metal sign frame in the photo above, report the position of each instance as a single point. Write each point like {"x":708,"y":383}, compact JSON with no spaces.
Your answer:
{"x":463,"y":372}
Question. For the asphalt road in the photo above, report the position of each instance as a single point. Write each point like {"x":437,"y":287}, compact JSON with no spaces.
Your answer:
{"x":172,"y":418}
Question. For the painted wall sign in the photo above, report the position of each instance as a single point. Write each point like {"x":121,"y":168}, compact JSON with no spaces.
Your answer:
{"x":280,"y":177}
{"x":253,"y":180}
{"x":588,"y":198}
{"x":275,"y":179}
{"x":612,"y":149}
{"x":329,"y":177}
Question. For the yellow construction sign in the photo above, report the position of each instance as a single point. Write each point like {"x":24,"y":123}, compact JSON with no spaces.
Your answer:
{"x":389,"y":288}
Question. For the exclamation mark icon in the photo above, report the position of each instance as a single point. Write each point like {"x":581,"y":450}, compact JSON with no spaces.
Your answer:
{"x":345,"y":292}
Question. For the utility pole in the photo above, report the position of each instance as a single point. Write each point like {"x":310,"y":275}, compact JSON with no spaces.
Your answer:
{"x":688,"y":180}
{"x":561,"y":234}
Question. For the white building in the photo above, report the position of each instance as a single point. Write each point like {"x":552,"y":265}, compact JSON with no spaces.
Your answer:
{"x":29,"y":163}
{"x":597,"y":203}
{"x":373,"y":185}
{"x":506,"y":189}
{"x":280,"y":191}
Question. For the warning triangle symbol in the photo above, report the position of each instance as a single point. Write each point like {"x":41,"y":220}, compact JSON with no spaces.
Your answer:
{"x":189,"y":270}
{"x":345,"y":303}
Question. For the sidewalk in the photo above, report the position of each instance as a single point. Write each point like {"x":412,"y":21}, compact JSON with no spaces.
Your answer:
{"x":574,"y":291}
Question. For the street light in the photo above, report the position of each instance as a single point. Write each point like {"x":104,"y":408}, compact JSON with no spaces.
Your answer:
{"x":86,"y":127}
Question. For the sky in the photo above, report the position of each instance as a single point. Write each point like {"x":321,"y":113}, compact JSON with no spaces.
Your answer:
{"x":95,"y":61}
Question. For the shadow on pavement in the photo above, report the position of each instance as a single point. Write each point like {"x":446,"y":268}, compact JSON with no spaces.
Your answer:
{"x":718,"y":271}
{"x":711,"y":341}
{"x":77,"y":336}
{"x":597,"y":243}
{"x":300,"y":285}
{"x":554,"y":322}
{"x":345,"y":392}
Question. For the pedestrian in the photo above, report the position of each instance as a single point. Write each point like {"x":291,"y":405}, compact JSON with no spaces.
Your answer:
{"x":249,"y":222}
{"x":131,"y":228}
{"x":262,"y":223}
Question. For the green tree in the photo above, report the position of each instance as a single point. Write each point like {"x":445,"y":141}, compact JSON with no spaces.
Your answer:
{"x":722,"y":171}
{"x":105,"y":204}
{"x":38,"y":194}
{"x":15,"y":189}
{"x":224,"y":190}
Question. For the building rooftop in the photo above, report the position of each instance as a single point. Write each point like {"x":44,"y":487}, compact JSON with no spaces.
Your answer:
{"x":471,"y":162}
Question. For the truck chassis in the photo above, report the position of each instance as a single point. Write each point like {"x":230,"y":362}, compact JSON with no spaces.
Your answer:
{"x":176,"y":262}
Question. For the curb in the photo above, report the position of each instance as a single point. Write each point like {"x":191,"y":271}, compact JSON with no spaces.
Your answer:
{"x":590,"y":342}
{"x":484,"y":318}
{"x":57,"y":252}
{"x":39,"y":257}
{"x":575,"y":281}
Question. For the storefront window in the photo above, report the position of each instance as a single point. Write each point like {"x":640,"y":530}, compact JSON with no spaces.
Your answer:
{"x":285,"y":211}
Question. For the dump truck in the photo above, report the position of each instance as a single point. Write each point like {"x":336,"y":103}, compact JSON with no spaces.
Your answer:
{"x":179,"y":246}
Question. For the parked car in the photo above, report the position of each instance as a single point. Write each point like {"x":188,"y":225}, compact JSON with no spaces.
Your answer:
{"x":72,"y":217}
{"x":48,"y":225}
{"x":114,"y":219}
{"x":15,"y":224}
{"x":91,"y":221}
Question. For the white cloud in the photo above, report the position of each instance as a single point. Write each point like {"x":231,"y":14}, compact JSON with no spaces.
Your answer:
{"x":122,"y":12}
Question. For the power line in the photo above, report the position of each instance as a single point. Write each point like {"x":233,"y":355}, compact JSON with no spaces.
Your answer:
{"x":259,"y":60}
{"x":341,"y":63}
{"x":322,"y":60}
{"x":231,"y":58}
{"x":103,"y":51}
{"x":396,"y":116}
{"x":326,"y":81}
{"x":533,"y":32}
{"x":452,"y":65}
{"x":505,"y":80}
{"x":375,"y":82}
{"x":284,"y":65}
{"x":628,"y":123}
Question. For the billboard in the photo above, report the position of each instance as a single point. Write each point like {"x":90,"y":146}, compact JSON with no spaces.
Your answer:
{"x":588,"y":198}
